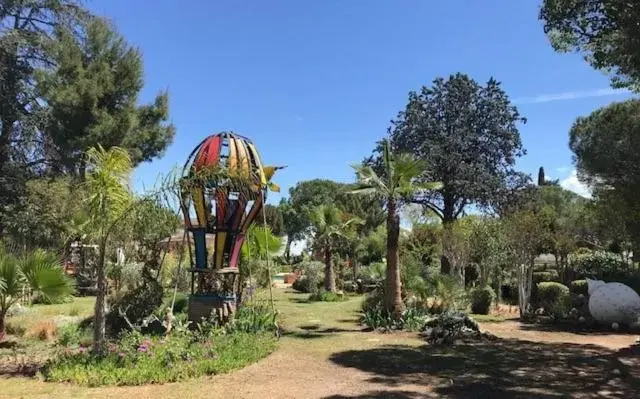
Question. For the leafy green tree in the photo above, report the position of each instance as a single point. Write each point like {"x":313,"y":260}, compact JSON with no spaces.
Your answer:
{"x":109,"y":201}
{"x":330,"y":226}
{"x":38,"y":273}
{"x":293,"y":224}
{"x":607,"y":155}
{"x":92,"y":96}
{"x":487,"y":247}
{"x":605,"y":32}
{"x":396,"y":186}
{"x":525,"y":233}
{"x":467,"y":135}
{"x":47,"y":215}
{"x":26,"y":30}
{"x":274,"y":219}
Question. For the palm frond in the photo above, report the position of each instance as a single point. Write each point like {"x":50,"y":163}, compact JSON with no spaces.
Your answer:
{"x":11,"y":276}
{"x":43,"y":274}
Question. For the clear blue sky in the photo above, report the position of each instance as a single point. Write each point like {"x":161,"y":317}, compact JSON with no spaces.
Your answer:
{"x":315,"y":83}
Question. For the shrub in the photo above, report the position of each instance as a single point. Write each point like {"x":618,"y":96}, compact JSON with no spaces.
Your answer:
{"x":546,"y":276}
{"x":137,"y":304}
{"x":578,"y":287}
{"x":74,"y":335}
{"x":509,"y":293}
{"x":137,"y":359}
{"x":311,"y":278}
{"x":253,"y":318}
{"x":376,"y":317}
{"x":450,"y":326}
{"x":601,"y":265}
{"x":554,"y":298}
{"x":181,"y":304}
{"x":481,"y":299}
{"x":326,"y":296}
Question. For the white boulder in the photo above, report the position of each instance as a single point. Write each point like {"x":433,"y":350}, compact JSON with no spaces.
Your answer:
{"x":613,"y":302}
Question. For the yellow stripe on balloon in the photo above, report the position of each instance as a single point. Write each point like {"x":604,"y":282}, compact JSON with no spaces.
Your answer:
{"x":198,"y":203}
{"x":256,"y":156}
{"x":233,"y":155}
{"x":243,"y":157}
{"x":220,"y":242}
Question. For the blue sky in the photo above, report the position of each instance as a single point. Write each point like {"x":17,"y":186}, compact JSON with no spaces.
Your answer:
{"x":315,"y":83}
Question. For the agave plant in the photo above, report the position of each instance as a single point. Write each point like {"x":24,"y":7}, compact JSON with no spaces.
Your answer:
{"x":36,"y":274}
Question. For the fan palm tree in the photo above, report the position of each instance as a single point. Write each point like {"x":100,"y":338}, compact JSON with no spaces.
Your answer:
{"x":331,"y":225}
{"x":396,"y":185}
{"x":36,"y":274}
{"x":107,"y":185}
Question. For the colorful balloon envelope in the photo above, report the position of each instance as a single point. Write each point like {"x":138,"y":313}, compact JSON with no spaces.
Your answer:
{"x":223,"y":190}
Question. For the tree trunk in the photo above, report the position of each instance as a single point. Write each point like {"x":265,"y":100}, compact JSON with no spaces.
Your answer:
{"x":525,"y":281}
{"x":394,"y":303}
{"x":100,"y":311}
{"x":498,"y":288}
{"x":445,"y":262}
{"x":3,"y":315}
{"x":287,"y":249}
{"x":329,"y":275}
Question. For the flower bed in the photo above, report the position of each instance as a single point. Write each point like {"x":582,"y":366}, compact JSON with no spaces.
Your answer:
{"x":138,"y":359}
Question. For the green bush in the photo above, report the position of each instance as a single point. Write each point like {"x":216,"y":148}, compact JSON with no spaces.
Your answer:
{"x":546,"y":276}
{"x":137,"y":304}
{"x":601,"y":265}
{"x":481,"y":299}
{"x":181,"y":304}
{"x":253,"y":318}
{"x":311,"y":278}
{"x":449,"y":326}
{"x":74,"y":335}
{"x":579,"y":287}
{"x":326,"y":296}
{"x":375,"y":316}
{"x":554,"y":298}
{"x":137,"y":359}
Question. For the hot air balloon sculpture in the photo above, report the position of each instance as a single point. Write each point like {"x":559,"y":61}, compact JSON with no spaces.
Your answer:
{"x":223,"y":190}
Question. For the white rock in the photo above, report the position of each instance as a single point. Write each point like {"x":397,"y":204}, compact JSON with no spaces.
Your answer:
{"x":612,"y":302}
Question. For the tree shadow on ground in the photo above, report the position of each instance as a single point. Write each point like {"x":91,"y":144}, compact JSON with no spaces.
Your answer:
{"x":503,"y":368}
{"x":573,"y":328}
{"x":314,"y":331}
{"x":381,"y":394}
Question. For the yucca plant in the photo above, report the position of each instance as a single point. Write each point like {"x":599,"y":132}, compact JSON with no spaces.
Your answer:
{"x":36,"y":274}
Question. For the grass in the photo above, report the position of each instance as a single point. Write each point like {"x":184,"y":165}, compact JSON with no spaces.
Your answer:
{"x":80,"y":307}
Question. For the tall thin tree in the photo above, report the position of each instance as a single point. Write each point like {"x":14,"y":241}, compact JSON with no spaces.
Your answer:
{"x":397,"y":185}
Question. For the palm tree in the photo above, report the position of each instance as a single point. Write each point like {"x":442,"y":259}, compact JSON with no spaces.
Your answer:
{"x":396,"y":185}
{"x":331,"y":225}
{"x":107,"y":185}
{"x":36,"y":274}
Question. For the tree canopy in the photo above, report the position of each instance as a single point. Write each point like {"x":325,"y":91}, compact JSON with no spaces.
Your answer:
{"x":467,"y":135}
{"x":605,"y":32}
{"x":92,"y":98}
{"x":606,"y":146}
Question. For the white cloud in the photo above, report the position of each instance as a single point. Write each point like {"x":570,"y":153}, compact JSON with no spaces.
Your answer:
{"x":562,"y":169}
{"x":570,"y":95}
{"x":572,"y":183}
{"x":299,"y":118}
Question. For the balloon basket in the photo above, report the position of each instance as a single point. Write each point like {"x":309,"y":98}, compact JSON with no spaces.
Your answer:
{"x":220,"y":306}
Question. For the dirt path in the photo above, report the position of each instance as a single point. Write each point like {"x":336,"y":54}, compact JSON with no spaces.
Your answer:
{"x":324,"y":354}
